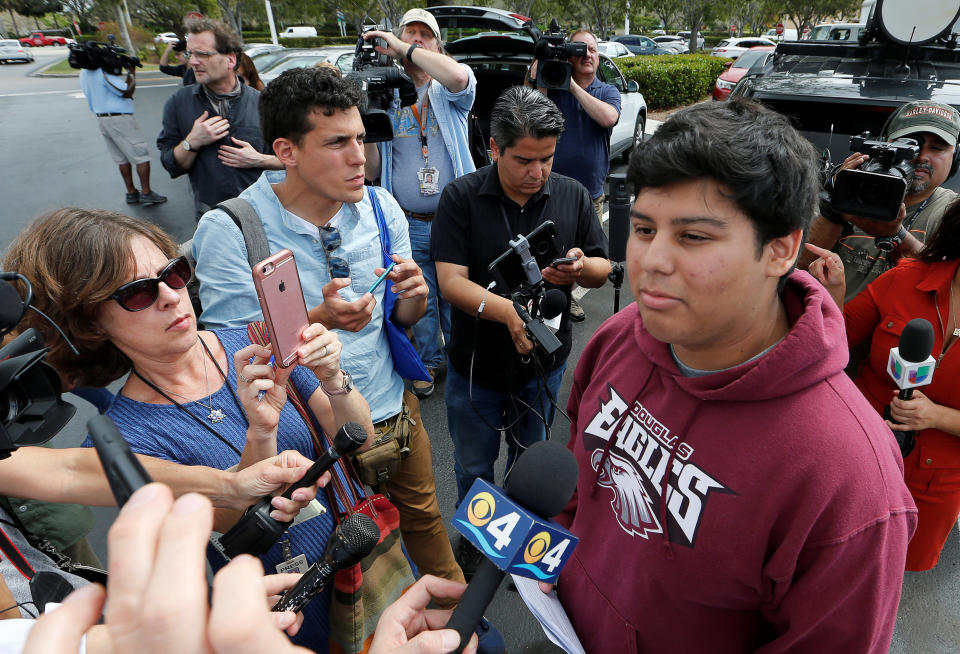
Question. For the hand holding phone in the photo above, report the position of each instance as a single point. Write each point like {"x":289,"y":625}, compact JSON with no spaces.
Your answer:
{"x":281,"y":301}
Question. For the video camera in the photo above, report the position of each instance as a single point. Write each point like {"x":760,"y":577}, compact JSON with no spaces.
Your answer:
{"x":31,"y":410}
{"x":92,"y":55}
{"x":378,"y":76}
{"x":876,"y":189}
{"x":552,"y":51}
{"x":517,"y":272}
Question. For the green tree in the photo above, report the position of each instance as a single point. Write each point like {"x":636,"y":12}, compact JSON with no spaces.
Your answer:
{"x":167,"y":15}
{"x":35,"y":8}
{"x":811,"y":12}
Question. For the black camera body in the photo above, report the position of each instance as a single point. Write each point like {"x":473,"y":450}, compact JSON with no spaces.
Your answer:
{"x":552,"y":52}
{"x":378,"y":76}
{"x":876,"y":189}
{"x":92,"y":55}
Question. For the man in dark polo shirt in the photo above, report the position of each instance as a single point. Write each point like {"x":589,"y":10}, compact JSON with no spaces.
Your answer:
{"x":496,"y":381}
{"x":590,"y":109}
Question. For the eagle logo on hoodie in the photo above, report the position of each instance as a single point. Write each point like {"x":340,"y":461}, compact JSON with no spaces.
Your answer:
{"x":631,"y":503}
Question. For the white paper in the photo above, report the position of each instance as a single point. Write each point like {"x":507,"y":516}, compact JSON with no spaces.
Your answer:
{"x":549,"y":612}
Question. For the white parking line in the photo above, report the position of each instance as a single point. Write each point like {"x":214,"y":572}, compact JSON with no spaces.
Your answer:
{"x":74,"y":91}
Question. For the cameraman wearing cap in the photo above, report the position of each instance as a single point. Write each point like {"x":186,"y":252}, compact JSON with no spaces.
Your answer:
{"x":430,"y":148}
{"x":870,"y":247}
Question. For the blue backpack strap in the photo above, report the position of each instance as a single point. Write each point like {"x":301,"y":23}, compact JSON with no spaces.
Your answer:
{"x":381,"y":225}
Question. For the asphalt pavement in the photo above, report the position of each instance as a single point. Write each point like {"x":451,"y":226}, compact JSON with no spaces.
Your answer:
{"x":54,"y":156}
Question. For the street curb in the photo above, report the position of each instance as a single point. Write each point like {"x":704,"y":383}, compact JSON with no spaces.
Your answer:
{"x":40,"y":72}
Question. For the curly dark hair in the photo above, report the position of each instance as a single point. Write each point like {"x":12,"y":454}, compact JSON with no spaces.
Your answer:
{"x":944,"y":243}
{"x":228,"y":41}
{"x":286,"y":103}
{"x":761,"y":162}
{"x":75,"y":259}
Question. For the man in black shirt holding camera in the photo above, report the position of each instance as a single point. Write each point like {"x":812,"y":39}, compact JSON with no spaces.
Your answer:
{"x":496,"y":381}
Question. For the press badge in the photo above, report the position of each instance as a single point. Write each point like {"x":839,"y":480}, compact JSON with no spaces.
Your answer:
{"x":429,"y":180}
{"x":291,"y":563}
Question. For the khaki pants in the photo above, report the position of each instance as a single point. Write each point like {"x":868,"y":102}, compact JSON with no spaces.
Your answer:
{"x":413,"y":492}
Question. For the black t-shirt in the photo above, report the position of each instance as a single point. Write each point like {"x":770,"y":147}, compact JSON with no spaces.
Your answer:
{"x":469,"y":230}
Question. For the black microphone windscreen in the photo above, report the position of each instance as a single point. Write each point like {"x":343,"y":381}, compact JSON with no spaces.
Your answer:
{"x":361,"y":533}
{"x":349,"y":437}
{"x":543,"y":478}
{"x":916,"y":340}
{"x":553,"y":303}
{"x":11,"y":306}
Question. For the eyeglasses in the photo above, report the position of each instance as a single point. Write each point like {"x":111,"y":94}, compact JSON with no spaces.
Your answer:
{"x":140,"y":294}
{"x":330,"y":237}
{"x":199,"y":54}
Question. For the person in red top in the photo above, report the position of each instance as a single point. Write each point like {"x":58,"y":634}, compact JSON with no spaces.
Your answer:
{"x":927,"y":287}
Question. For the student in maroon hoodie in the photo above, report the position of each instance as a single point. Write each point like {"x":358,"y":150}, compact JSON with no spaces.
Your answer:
{"x":737,"y":492}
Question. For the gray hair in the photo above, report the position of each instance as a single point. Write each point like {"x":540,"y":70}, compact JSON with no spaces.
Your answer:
{"x":522,"y":111}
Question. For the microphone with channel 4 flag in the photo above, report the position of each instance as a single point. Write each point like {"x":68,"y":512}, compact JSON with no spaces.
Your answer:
{"x":256,"y":532}
{"x":911,"y":365}
{"x":509,"y":529}
{"x":350,"y":542}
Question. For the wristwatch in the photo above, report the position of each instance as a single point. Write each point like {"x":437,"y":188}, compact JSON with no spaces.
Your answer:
{"x":186,"y":145}
{"x":413,"y":47}
{"x":891,"y":243}
{"x":345,"y":388}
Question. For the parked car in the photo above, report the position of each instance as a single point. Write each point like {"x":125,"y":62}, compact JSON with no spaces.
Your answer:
{"x":835,"y":32}
{"x":501,"y":58}
{"x":685,"y":35}
{"x":675,"y":43}
{"x":733,"y":48}
{"x":255,"y":49}
{"x":613,"y":49}
{"x":298,"y":32}
{"x":641,"y":45}
{"x":37,"y":39}
{"x":13,"y":50}
{"x":737,"y":69}
{"x":788,"y":35}
{"x":340,"y":56}
{"x":166,"y":37}
{"x":834,"y":90}
{"x":266,"y":58}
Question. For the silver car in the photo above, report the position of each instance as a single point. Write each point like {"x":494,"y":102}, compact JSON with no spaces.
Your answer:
{"x":339,"y":56}
{"x":12,"y":50}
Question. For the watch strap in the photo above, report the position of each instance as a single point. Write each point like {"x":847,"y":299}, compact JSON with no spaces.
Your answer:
{"x":345,"y":387}
{"x":413,"y":46}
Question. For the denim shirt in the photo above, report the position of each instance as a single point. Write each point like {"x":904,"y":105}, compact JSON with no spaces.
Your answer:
{"x":451,"y":110}
{"x":102,"y":98}
{"x":230,"y":299}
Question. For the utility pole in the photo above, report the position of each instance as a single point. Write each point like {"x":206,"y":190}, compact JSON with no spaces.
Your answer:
{"x":273,"y":28}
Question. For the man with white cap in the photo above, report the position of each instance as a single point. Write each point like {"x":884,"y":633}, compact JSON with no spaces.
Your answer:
{"x":870,"y":247}
{"x":430,"y":148}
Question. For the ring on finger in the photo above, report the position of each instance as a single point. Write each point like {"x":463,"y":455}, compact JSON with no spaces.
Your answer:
{"x":243,"y":379}
{"x":323,"y":351}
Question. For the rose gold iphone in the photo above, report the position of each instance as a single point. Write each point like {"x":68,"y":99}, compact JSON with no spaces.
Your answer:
{"x":281,"y":300}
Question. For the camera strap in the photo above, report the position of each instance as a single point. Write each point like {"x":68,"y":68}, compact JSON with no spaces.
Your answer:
{"x":916,"y":214}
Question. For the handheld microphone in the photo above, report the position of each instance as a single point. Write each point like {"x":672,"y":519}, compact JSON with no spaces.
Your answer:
{"x":910,"y":365}
{"x":508,"y":529}
{"x":123,"y":470}
{"x":553,"y":303}
{"x":353,"y":539}
{"x":256,"y":532}
{"x":539,"y":332}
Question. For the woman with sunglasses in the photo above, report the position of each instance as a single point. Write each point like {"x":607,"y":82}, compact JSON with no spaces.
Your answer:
{"x":116,"y":286}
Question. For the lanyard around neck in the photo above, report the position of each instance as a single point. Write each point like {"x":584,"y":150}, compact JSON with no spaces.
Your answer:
{"x":422,"y":123}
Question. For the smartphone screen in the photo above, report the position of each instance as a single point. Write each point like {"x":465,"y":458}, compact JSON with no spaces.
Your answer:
{"x":281,"y":300}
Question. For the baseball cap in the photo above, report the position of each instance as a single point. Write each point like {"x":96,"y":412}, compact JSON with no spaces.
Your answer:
{"x":422,"y":16}
{"x":925,"y":116}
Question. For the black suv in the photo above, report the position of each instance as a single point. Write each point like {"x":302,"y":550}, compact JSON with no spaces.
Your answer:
{"x":835,"y":90}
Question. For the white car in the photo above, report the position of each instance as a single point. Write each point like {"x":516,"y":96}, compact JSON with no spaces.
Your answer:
{"x":13,"y":50}
{"x":675,"y":43}
{"x":339,"y":56}
{"x":166,"y":37}
{"x":733,"y":48}
{"x":686,"y":38}
{"x":613,"y":49}
{"x":501,"y":60}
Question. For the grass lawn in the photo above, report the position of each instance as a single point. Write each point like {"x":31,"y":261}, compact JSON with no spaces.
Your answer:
{"x":63,"y":68}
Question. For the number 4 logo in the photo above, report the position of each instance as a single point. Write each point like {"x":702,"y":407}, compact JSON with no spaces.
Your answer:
{"x":502,"y":528}
{"x":554,"y":557}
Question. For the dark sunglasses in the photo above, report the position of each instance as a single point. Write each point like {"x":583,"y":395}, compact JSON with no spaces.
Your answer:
{"x":142,"y":293}
{"x":330,"y":237}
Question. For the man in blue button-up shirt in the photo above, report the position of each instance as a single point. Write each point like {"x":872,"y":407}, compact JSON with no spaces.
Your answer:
{"x":320,"y":210}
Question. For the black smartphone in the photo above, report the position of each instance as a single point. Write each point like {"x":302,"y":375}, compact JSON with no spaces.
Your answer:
{"x":123,"y":470}
{"x":561,"y":261}
{"x":545,"y":246}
